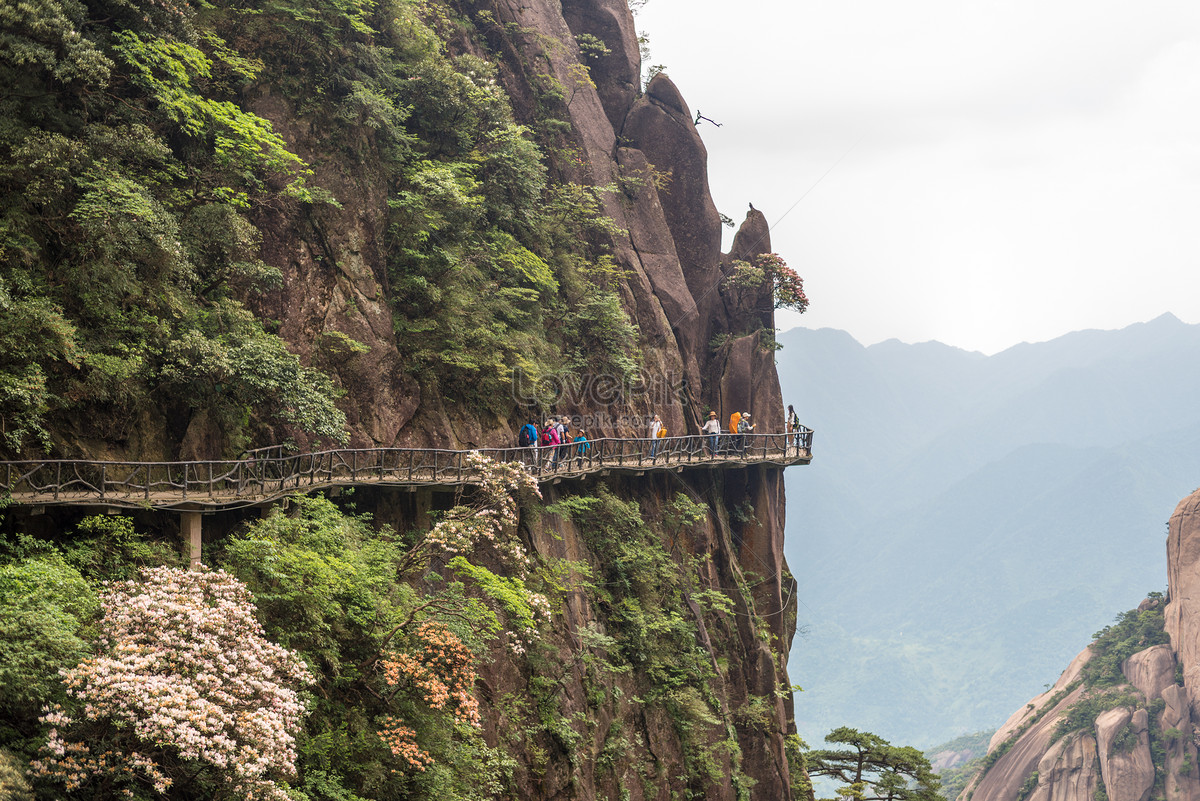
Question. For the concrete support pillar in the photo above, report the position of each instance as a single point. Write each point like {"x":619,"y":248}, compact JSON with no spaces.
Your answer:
{"x":424,"y":502}
{"x":189,"y":528}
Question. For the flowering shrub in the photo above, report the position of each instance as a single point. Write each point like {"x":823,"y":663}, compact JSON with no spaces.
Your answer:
{"x":185,"y":685}
{"x":403,"y":743}
{"x":440,"y":670}
{"x":492,"y":516}
{"x":787,"y":286}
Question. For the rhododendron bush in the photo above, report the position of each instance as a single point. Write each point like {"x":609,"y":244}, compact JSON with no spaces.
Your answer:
{"x":787,"y":287}
{"x":184,"y":688}
{"x":492,"y":515}
{"x":440,"y":671}
{"x":395,"y":626}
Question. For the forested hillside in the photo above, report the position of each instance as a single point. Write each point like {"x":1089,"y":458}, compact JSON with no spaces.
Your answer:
{"x":139,"y":289}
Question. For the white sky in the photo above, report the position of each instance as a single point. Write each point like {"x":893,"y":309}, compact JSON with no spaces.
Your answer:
{"x":1009,"y":171}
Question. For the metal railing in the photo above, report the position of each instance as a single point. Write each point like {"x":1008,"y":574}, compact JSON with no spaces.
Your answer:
{"x":266,"y":474}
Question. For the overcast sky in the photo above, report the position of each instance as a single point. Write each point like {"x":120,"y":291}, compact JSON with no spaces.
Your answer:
{"x":980,"y":173}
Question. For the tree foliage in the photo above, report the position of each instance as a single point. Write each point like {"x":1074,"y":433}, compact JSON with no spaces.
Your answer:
{"x":867,"y":767}
{"x":44,"y":607}
{"x":1134,"y":630}
{"x":130,"y":171}
{"x":771,"y":271}
{"x":185,"y":689}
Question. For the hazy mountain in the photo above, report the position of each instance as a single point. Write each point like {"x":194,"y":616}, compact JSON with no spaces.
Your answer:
{"x":969,"y":521}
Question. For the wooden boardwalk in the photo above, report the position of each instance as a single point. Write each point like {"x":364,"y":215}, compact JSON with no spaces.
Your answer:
{"x":267,"y":475}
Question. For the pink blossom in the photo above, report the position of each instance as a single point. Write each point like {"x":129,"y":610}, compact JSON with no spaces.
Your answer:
{"x":184,"y":673}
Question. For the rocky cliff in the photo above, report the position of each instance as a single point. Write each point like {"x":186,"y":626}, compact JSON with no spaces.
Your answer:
{"x":1120,"y":722}
{"x":458,"y":196}
{"x":665,"y":240}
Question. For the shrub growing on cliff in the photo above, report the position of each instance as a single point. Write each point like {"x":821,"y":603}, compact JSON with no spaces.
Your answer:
{"x":770,"y":270}
{"x":185,"y":690}
{"x":1133,"y":631}
{"x":394,"y":644}
{"x":643,"y":595}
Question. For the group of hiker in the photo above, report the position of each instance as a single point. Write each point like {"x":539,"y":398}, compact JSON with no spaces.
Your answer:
{"x":739,"y":426}
{"x":555,"y":440}
{"x":554,"y":434}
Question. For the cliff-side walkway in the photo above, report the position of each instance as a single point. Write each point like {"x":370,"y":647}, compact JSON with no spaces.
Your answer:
{"x":267,"y":475}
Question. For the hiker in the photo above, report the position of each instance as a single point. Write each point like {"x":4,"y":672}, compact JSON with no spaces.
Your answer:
{"x":550,"y":439}
{"x":527,"y":437}
{"x":656,"y":433}
{"x":712,"y":432}
{"x":792,"y":427}
{"x":744,"y":427}
{"x":561,"y":427}
{"x":582,"y":446}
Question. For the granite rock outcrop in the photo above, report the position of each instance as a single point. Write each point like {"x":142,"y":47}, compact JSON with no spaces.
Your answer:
{"x":1142,"y":742}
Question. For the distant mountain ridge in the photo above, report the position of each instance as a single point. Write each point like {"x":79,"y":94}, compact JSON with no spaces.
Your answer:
{"x":970,"y":520}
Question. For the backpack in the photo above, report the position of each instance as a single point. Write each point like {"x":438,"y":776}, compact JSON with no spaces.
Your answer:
{"x":546,"y":440}
{"x":527,"y":436}
{"x":662,"y":432}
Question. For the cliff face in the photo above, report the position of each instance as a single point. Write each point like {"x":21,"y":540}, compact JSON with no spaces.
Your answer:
{"x":667,"y":246}
{"x":1133,"y":735}
{"x":669,"y":250}
{"x":571,"y":70}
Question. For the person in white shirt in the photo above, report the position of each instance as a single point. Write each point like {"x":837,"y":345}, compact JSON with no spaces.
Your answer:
{"x":655,"y":426}
{"x":711,"y":430}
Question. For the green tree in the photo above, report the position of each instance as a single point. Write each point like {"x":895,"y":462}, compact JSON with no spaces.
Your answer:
{"x":869,"y":768}
{"x":44,"y":606}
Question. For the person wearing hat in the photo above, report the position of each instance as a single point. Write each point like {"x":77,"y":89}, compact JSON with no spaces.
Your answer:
{"x":711,"y":430}
{"x":582,"y":446}
{"x":744,"y":427}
